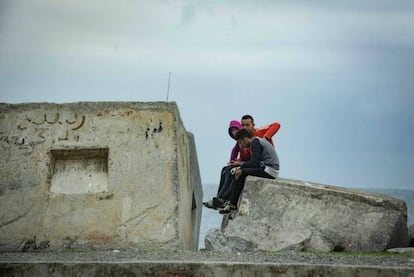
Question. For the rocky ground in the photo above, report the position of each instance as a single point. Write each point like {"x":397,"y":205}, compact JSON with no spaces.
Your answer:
{"x":358,"y":259}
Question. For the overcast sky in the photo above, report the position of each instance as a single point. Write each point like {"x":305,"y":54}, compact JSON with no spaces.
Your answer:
{"x":337,"y":75}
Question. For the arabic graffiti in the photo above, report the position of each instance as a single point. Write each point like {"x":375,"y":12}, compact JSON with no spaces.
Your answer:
{"x":42,"y":130}
{"x":22,"y":143}
{"x":150,"y":132}
{"x":75,"y":124}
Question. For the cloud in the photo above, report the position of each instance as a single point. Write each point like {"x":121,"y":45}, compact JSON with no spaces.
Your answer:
{"x":228,"y":33}
{"x":336,"y":74}
{"x":188,"y":13}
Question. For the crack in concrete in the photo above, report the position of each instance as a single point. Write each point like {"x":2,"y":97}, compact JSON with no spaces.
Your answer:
{"x":15,"y":219}
{"x":142,"y":214}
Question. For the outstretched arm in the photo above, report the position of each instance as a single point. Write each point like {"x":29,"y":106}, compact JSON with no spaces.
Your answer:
{"x":268,"y":131}
{"x":271,"y":131}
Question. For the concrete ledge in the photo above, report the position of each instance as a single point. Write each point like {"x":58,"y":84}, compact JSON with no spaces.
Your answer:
{"x":166,"y":263}
{"x":179,"y":268}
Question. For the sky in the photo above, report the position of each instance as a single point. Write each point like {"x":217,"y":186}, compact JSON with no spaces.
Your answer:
{"x":337,"y":75}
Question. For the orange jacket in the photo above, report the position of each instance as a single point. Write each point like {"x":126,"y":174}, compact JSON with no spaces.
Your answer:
{"x":266,"y":132}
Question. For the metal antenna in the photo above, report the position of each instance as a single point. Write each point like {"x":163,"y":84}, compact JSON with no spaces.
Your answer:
{"x":168,"y":89}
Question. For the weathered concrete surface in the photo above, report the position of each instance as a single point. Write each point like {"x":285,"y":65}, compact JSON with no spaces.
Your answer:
{"x":205,"y":263}
{"x":401,"y":250}
{"x":293,"y":215}
{"x":112,"y":174}
{"x":183,"y":268}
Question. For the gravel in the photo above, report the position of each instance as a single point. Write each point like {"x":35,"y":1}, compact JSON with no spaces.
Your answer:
{"x":132,"y":256}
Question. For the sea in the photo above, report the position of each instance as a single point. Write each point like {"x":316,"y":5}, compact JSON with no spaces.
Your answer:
{"x":211,"y":219}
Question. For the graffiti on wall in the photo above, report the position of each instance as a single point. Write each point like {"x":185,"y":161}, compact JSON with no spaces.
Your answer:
{"x":42,"y":128}
{"x":75,"y":123}
{"x":150,"y":132}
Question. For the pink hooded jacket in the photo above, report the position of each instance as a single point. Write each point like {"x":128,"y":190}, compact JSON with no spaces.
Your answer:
{"x":236,"y":149}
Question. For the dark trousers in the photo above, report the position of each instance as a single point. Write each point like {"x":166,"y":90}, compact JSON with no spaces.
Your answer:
{"x":237,"y":186}
{"x":225,"y":180}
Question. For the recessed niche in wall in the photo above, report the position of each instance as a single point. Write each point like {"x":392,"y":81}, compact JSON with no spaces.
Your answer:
{"x":74,"y":171}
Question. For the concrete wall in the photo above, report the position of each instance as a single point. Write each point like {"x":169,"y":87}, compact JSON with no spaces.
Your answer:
{"x":199,"y":268}
{"x":98,"y":174}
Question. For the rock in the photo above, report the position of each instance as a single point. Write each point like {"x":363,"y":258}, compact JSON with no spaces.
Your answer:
{"x":28,"y":245}
{"x":43,"y":245}
{"x":411,"y":234}
{"x":286,"y":214}
{"x":404,"y":250}
{"x":216,"y":240}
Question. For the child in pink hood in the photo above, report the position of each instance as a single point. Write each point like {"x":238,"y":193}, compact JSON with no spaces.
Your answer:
{"x":226,"y":177}
{"x":234,"y":127}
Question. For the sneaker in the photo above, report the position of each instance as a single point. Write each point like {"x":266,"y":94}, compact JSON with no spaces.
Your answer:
{"x":227,"y":208}
{"x":218,"y":202}
{"x":209,"y":204}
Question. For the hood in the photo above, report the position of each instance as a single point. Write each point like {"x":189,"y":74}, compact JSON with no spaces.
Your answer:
{"x":234,"y":123}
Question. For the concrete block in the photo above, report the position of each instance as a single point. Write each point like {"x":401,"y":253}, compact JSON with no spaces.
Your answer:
{"x":98,"y":174}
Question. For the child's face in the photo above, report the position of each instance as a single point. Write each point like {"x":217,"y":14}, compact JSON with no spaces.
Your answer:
{"x":244,"y":143}
{"x":233,"y":132}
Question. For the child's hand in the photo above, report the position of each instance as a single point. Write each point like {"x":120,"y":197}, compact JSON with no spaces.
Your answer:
{"x":238,"y":173}
{"x":235,"y":163}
